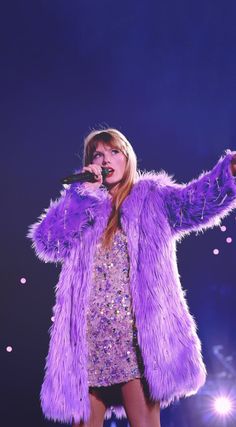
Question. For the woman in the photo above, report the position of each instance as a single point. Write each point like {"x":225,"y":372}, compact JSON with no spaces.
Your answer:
{"x":123,"y":339}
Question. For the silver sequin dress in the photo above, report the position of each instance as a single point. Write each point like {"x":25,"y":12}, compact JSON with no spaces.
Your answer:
{"x":113,"y":352}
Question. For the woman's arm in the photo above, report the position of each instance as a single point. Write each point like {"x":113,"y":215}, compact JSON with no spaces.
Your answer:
{"x":62,"y":223}
{"x":204,"y":201}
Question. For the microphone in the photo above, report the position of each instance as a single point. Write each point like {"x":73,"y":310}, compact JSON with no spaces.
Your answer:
{"x":83,"y":177}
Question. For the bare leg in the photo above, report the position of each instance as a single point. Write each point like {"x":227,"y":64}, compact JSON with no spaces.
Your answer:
{"x":141,"y":412}
{"x":98,"y":410}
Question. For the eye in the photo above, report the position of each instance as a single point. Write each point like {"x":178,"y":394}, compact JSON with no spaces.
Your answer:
{"x":115,"y":151}
{"x":95,"y":155}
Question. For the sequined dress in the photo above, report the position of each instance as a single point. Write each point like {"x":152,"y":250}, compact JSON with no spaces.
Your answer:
{"x":113,"y":352}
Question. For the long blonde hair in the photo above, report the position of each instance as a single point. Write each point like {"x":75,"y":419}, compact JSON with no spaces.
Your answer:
{"x":115,"y":139}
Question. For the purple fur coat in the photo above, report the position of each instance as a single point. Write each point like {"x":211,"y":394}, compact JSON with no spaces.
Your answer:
{"x":156,"y":214}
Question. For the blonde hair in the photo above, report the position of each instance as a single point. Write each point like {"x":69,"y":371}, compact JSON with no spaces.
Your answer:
{"x":114,"y":139}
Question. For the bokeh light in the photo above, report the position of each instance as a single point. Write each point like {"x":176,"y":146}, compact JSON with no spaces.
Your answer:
{"x":229,"y":239}
{"x":23,"y":280}
{"x":9,"y":349}
{"x":216,"y":251}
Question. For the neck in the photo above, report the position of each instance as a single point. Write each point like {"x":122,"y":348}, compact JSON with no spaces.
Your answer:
{"x":112,"y":189}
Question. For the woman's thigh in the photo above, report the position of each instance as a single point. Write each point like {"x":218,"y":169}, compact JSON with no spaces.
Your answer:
{"x":98,"y":409}
{"x":140,"y":410}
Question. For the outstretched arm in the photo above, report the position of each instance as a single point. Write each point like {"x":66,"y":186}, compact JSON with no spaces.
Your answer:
{"x":204,"y":201}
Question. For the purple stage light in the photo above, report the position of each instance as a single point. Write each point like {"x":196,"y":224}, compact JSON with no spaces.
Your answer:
{"x":223,"y":405}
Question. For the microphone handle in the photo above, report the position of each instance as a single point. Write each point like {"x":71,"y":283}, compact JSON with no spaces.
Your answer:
{"x":83,"y":177}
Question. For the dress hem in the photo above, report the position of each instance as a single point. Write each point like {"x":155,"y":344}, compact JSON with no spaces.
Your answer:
{"x":116,"y":383}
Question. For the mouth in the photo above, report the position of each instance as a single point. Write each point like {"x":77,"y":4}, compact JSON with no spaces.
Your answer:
{"x":110,"y":172}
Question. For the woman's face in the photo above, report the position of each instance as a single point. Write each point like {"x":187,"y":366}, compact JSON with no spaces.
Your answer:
{"x":113,"y":159}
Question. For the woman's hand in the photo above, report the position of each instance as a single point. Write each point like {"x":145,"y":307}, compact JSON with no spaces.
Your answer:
{"x":97,"y":171}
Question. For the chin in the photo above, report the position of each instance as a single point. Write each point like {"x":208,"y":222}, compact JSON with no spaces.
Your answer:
{"x":110,"y":180}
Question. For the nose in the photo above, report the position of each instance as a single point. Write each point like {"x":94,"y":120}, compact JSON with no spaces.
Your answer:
{"x":105,"y":160}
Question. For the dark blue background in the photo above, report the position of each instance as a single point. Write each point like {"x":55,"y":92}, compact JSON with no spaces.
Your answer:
{"x":164,"y":73}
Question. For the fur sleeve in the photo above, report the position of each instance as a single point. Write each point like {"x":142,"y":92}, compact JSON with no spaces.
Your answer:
{"x":54,"y":234}
{"x":204,"y":201}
